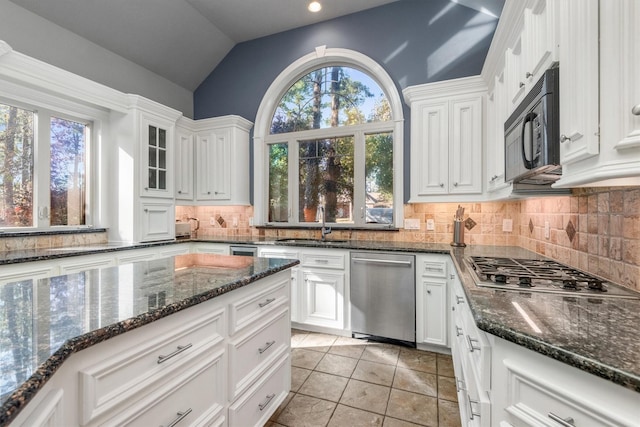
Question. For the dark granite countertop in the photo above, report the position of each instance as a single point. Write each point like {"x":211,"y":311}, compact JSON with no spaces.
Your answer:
{"x":42,"y":322}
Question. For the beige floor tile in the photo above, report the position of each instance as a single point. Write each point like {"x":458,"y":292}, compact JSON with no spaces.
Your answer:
{"x":373,"y":372}
{"x":349,"y":347}
{"x":413,"y":407}
{"x":303,"y":358}
{"x":346,"y":416}
{"x":283,"y":405}
{"x":337,"y":365}
{"x":393,"y":422}
{"x":306,"y":411}
{"x":367,"y":396}
{"x":298,"y":377}
{"x":447,"y":388}
{"x":416,"y":381}
{"x":319,"y":342}
{"x":324,"y":386}
{"x":417,"y":360}
{"x":448,"y":414}
{"x":381,"y":353}
{"x":297,"y":337}
{"x":445,"y":365}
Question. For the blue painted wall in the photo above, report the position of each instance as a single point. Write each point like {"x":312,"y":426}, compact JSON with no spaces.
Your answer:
{"x":415,"y":41}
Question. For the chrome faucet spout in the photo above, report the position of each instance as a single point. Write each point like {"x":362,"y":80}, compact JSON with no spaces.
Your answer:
{"x":324,"y":230}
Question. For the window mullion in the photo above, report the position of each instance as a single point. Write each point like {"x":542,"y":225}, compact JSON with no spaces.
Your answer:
{"x":294,"y":181}
{"x":359,"y":196}
{"x":41,"y":173}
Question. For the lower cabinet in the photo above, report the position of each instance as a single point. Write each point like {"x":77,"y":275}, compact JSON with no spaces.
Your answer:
{"x":222,"y":362}
{"x":432,"y":296}
{"x":157,"y":221}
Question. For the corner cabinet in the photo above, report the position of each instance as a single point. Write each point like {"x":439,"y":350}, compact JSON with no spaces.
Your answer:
{"x":446,"y":138}
{"x":212,"y":164}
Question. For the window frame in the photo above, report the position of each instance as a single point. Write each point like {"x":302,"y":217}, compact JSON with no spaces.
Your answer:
{"x":44,"y":108}
{"x":326,"y":57}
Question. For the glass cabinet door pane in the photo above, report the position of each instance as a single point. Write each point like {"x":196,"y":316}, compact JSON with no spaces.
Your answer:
{"x":162,"y":159}
{"x":162,"y":180}
{"x":162,"y":138}
{"x":152,"y":157}
{"x":152,"y":135}
{"x":152,"y":178}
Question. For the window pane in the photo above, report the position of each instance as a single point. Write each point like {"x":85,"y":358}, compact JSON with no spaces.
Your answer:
{"x":379,"y":178}
{"x":329,"y":97}
{"x":68,"y":172}
{"x":326,"y":179}
{"x":278,"y":183}
{"x":16,"y":167}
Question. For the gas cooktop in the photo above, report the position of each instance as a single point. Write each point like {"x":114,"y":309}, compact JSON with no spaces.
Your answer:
{"x":538,"y":275}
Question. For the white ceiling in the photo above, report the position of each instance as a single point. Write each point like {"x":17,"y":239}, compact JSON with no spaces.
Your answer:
{"x":184,"y":40}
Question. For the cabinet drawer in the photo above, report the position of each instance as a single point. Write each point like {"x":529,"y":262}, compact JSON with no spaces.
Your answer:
{"x":132,"y":372}
{"x":255,"y":406}
{"x":249,"y":309}
{"x":323,"y":260}
{"x":252,"y":353}
{"x":433,"y":268}
{"x":196,"y":397}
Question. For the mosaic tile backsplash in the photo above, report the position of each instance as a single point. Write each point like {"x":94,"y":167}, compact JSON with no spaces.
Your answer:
{"x":604,"y":223}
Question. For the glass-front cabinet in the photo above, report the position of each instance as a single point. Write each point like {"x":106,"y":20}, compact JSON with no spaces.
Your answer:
{"x":157,"y":157}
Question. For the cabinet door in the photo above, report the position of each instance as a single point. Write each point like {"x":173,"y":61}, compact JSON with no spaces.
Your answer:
{"x":429,"y":156}
{"x":184,"y":166}
{"x":496,"y":116}
{"x":156,"y":142}
{"x":514,"y":77}
{"x":78,"y":264}
{"x":579,"y":121}
{"x":432,"y":312}
{"x":323,"y":298}
{"x":157,"y":221}
{"x":538,"y":40}
{"x":214,"y":166}
{"x":465,"y":151}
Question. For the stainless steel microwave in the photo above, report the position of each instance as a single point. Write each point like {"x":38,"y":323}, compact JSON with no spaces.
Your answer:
{"x":532,"y":134}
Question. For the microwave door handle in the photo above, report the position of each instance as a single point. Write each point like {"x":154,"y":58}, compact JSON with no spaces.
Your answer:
{"x":528,"y":118}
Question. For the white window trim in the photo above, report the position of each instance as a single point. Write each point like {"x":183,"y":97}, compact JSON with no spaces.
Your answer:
{"x":323,"y":56}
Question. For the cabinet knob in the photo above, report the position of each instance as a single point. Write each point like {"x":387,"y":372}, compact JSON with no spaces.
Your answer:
{"x":528,"y":74}
{"x":429,"y":291}
{"x":636,"y":110}
{"x":521,"y":85}
{"x":215,"y":192}
{"x":208,"y":192}
{"x":179,"y":191}
{"x":441,"y":184}
{"x":146,"y":210}
{"x":564,"y":138}
{"x":455,"y":184}
{"x":146,"y":188}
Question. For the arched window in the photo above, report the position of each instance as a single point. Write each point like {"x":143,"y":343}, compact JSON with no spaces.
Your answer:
{"x":328,"y":142}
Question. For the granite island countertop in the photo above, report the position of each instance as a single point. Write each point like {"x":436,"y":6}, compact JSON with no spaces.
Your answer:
{"x":44,"y":321}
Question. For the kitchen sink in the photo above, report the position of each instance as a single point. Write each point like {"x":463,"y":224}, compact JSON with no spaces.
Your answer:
{"x":310,"y":241}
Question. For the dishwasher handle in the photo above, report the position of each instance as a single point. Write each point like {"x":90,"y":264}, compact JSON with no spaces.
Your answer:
{"x":382,"y":261}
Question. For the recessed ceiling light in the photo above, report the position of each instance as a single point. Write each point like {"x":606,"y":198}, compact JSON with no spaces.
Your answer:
{"x":314,"y":6}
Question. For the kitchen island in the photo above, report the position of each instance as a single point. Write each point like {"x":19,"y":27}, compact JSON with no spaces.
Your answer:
{"x":207,"y":301}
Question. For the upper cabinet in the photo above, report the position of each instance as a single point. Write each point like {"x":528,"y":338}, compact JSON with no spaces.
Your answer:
{"x":156,"y":159}
{"x":213,"y":161}
{"x":446,"y":138}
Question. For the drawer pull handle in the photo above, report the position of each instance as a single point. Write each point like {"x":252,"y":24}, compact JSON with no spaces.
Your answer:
{"x":266,"y":347}
{"x":322,"y":261}
{"x":472,"y":414}
{"x":565,"y":422}
{"x":460,"y":385}
{"x":181,"y":416}
{"x":179,"y":350}
{"x":471,"y":345}
{"x":266,"y":401}
{"x":459,"y":300}
{"x":267,"y":302}
{"x":458,"y":331}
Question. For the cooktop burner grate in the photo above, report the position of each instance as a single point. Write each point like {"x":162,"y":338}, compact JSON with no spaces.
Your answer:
{"x":542,"y":276}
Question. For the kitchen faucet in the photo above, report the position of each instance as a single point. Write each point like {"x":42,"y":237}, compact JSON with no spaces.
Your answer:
{"x":195,"y":230}
{"x":324,"y":230}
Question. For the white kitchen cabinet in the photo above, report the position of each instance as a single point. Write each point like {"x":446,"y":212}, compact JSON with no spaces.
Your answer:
{"x":530,"y":389}
{"x":446,"y":138}
{"x":539,"y":40}
{"x":494,"y":153}
{"x":184,"y":164}
{"x":578,"y":51}
{"x":46,"y":409}
{"x":514,"y":76}
{"x":432,"y":308}
{"x":283,"y":252}
{"x":157,"y":220}
{"x":156,"y":156}
{"x":28,"y":271}
{"x":215,"y":171}
{"x":618,"y":156}
{"x":81,"y":263}
{"x":210,"y":248}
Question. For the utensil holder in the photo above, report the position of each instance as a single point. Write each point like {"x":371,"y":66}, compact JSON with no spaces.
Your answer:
{"x":458,"y":234}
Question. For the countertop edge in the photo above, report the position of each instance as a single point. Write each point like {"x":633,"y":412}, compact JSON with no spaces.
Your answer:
{"x":19,"y":399}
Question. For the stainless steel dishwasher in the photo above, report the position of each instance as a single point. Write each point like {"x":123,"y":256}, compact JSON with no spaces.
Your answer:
{"x":383,"y":295}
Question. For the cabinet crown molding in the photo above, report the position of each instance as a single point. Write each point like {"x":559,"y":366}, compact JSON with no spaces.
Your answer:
{"x":215,"y":122}
{"x":461,"y":86}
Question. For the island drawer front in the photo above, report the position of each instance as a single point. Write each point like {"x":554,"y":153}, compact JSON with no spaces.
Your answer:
{"x":336,"y":261}
{"x":127,"y":374}
{"x":250,"y":309}
{"x":251,"y":353}
{"x":434,"y":266}
{"x":255,"y":407}
{"x":196,"y":395}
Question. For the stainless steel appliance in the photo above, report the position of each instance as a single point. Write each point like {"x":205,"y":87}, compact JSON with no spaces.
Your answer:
{"x":383,"y":296}
{"x":243,"y":250}
{"x":541,"y":275}
{"x":532,"y":135}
